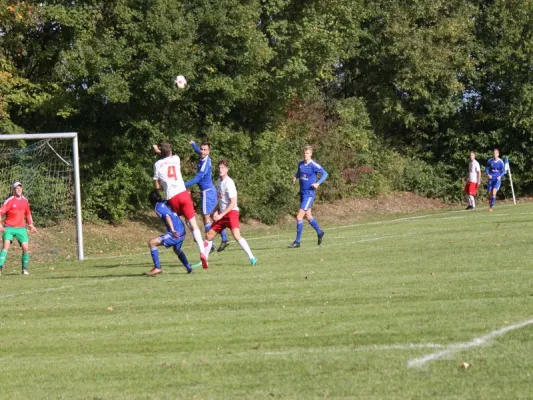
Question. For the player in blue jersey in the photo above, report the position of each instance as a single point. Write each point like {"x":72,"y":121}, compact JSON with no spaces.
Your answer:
{"x":495,"y":170}
{"x":204,"y":179}
{"x":174,"y":236}
{"x":307,"y":175}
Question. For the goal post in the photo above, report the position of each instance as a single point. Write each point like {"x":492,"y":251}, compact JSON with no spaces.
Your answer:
{"x":45,"y":137}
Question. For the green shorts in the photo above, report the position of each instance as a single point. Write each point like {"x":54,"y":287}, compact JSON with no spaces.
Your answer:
{"x":20,"y":233}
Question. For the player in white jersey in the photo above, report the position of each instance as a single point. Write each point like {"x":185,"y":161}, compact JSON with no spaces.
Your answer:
{"x":472,"y":183}
{"x":227,"y":213}
{"x":167,"y":176}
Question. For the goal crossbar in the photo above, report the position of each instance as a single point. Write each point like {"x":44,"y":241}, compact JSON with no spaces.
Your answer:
{"x":76,"y":167}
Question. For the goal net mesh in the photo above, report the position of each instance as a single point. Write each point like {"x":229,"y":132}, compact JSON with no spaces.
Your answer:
{"x":45,"y":169}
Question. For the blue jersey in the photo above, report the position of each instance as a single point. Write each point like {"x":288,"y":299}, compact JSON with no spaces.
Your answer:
{"x":203,"y":175}
{"x":307,"y":175}
{"x":495,"y":168}
{"x":162,"y":210}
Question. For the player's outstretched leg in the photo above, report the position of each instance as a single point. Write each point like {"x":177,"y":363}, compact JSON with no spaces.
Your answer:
{"x":183,"y":258}
{"x":244,"y":245}
{"x":225,"y":243}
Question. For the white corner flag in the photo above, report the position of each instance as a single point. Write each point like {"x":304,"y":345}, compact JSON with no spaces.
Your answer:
{"x":508,"y":170}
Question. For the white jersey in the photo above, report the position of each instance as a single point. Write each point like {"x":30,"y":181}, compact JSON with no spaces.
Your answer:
{"x":473,"y":169}
{"x":226,"y":191}
{"x":168,"y":172}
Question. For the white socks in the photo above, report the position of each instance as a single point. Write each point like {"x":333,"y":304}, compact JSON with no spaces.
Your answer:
{"x":208,"y":244}
{"x":245,"y":247}
{"x":198,"y":239}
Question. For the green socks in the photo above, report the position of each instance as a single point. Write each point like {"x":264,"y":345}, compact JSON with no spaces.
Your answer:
{"x":3,"y":256}
{"x":25,"y":260}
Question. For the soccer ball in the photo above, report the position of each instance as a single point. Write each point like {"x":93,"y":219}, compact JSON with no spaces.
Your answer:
{"x":180,"y":81}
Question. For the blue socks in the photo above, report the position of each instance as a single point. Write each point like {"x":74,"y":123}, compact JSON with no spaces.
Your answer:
{"x":492,"y":201}
{"x":207,"y":227}
{"x":223,"y":236}
{"x":155,"y":257}
{"x":183,"y":258}
{"x":315,"y":225}
{"x":299,"y":230}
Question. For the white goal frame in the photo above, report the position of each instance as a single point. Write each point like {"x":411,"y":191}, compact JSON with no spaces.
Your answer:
{"x":76,"y":165}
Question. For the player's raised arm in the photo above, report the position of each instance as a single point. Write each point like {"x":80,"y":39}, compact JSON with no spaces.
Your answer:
{"x":195,"y":147}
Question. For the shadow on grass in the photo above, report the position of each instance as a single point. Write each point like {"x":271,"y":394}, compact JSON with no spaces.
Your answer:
{"x":144,"y":264}
{"x":136,"y":275}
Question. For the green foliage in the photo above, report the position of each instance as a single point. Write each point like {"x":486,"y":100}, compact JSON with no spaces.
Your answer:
{"x":369,"y":84}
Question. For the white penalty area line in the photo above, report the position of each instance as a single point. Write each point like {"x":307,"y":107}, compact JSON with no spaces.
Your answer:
{"x":456,"y":347}
{"x":62,"y":287}
{"x":385,"y":347}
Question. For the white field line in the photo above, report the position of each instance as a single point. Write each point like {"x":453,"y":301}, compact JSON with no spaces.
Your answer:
{"x":62,"y":287}
{"x":408,"y":346}
{"x":456,"y":347}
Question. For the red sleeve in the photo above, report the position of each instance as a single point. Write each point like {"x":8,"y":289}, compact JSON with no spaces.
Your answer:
{"x":3,"y":209}
{"x":28,"y":214}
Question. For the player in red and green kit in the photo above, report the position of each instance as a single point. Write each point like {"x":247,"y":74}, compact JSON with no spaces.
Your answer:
{"x":15,"y":209}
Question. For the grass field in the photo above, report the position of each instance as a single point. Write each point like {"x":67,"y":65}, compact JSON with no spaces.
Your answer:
{"x":353,"y":318}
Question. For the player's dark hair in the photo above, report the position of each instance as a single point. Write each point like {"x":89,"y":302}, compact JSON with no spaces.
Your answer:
{"x":224,"y":162}
{"x":206,"y":143}
{"x":495,"y":148}
{"x":154,"y":197}
{"x":166,"y":149}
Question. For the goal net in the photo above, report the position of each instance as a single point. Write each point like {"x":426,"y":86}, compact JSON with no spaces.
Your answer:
{"x":47,"y":168}
{"x":46,"y":172}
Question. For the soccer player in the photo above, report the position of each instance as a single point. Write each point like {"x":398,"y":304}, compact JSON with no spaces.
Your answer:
{"x":473,"y":180}
{"x":227,"y":214}
{"x":15,"y":209}
{"x":174,"y":236}
{"x":167,"y":175}
{"x":307,"y":175}
{"x":495,"y":170}
{"x":204,"y":179}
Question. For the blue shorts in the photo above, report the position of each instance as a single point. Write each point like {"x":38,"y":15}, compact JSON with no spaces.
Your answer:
{"x":209,"y":201}
{"x":494,"y":183}
{"x":169,"y":240}
{"x":306,"y":202}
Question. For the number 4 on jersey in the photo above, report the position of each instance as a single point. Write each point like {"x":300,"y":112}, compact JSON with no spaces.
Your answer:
{"x":171,"y":172}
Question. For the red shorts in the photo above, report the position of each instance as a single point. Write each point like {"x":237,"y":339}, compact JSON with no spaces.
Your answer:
{"x":230,"y":220}
{"x":471,"y":188}
{"x":182,"y":204}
